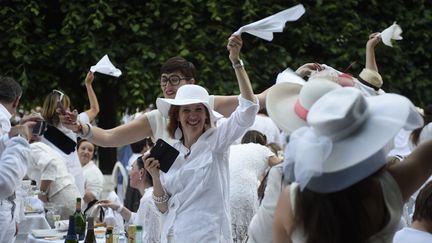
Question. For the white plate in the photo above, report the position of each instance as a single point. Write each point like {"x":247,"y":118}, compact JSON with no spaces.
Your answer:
{"x":42,"y":233}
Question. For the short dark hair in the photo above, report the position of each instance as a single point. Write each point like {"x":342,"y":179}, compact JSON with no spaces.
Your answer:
{"x":423,"y":204}
{"x":254,"y":136}
{"x":179,"y":64}
{"x":137,"y":147}
{"x":10,"y":90}
{"x":148,"y":177}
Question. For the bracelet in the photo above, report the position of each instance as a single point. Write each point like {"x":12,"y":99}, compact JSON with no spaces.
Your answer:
{"x":42,"y":193}
{"x":238,"y":65}
{"x":119,"y":209}
{"x":161,"y":199}
{"x":89,"y":133}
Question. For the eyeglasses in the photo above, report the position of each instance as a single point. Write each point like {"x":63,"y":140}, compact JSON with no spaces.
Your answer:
{"x":174,"y":80}
{"x":60,"y":93}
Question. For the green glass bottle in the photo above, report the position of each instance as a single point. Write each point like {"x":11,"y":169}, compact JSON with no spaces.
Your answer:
{"x":80,"y":223}
{"x":71,"y":236}
{"x":90,"y":235}
{"x":138,"y":234}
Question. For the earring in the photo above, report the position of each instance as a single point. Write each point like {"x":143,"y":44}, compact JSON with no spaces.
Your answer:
{"x":140,"y":178}
{"x":178,"y":133}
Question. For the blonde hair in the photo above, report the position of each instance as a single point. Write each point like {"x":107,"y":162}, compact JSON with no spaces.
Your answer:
{"x":49,"y":109}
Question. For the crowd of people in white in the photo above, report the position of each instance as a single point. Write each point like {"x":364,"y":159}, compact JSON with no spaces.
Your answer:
{"x":323,"y":166}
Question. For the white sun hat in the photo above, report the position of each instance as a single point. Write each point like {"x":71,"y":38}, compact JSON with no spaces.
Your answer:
{"x":186,"y":95}
{"x":288,"y":103}
{"x":344,"y":142}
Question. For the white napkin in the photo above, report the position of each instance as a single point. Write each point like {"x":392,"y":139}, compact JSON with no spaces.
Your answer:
{"x":106,"y":67}
{"x":289,"y":76}
{"x":61,"y":225}
{"x":391,"y":33}
{"x":264,"y":28}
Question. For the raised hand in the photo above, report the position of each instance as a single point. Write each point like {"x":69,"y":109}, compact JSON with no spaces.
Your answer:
{"x":152,"y":166}
{"x":234,"y":46}
{"x":308,"y":68}
{"x":89,"y":78}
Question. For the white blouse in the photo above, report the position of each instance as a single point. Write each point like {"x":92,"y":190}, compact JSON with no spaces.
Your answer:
{"x":148,"y":216}
{"x":198,"y":182}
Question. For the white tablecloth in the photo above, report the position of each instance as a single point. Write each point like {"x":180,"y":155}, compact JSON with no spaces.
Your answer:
{"x":32,"y":221}
{"x":32,"y":239}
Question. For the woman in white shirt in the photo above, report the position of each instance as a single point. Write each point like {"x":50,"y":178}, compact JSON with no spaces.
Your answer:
{"x":147,"y":215}
{"x":194,"y":194}
{"x":62,"y":139}
{"x":94,"y":179}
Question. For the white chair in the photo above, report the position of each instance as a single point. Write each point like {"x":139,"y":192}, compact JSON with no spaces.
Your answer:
{"x":121,"y":187}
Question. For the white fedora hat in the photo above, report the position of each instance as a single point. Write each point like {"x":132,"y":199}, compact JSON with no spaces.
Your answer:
{"x":288,"y":104}
{"x":186,"y":95}
{"x":347,"y":132}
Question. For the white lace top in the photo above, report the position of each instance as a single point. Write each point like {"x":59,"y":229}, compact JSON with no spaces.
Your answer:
{"x":148,"y":217}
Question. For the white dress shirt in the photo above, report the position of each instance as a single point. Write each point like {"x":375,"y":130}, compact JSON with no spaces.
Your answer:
{"x":5,"y":127}
{"x":13,"y":165}
{"x":94,"y":179}
{"x":198,"y":182}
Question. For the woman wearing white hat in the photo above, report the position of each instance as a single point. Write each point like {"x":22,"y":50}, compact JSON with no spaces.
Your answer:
{"x":193,"y":194}
{"x":343,"y":191}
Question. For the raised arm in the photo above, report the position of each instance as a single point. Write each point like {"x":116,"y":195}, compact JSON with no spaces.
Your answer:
{"x":125,"y":134}
{"x":160,"y":196}
{"x":371,"y":64}
{"x":94,"y":104}
{"x":414,"y":170}
{"x":234,"y":46}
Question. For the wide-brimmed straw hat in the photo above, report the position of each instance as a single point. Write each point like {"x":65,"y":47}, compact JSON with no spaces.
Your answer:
{"x":371,"y":78}
{"x":288,"y":104}
{"x":186,"y":95}
{"x":343,"y":143}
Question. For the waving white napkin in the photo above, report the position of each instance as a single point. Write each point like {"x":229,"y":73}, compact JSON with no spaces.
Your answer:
{"x":106,"y":67}
{"x":264,"y":28}
{"x":391,"y":33}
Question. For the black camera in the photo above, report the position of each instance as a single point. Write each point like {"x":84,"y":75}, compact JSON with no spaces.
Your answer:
{"x":39,"y":128}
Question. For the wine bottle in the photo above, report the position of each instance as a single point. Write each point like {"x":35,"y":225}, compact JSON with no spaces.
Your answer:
{"x":109,"y":237}
{"x":90,"y":235}
{"x":138,"y":234}
{"x":71,"y":236}
{"x":80,"y":222}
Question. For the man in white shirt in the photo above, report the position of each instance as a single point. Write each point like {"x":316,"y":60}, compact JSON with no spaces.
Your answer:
{"x":10,"y":94}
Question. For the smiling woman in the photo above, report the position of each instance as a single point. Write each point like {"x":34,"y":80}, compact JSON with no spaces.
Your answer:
{"x":193,"y":194}
{"x":93,"y":177}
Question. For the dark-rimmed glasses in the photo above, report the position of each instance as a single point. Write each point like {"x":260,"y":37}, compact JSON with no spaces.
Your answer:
{"x":174,"y":80}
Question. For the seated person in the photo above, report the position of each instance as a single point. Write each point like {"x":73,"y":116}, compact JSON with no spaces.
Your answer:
{"x":93,"y":177}
{"x":147,"y":215}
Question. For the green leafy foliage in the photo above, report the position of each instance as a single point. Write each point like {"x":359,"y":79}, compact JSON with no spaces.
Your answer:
{"x":51,"y":44}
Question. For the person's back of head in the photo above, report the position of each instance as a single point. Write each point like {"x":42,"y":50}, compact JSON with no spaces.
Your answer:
{"x":423,"y":204}
{"x":10,"y":93}
{"x":179,"y":64}
{"x":427,"y":118}
{"x":138,"y":147}
{"x":49,"y":109}
{"x":254,"y":136}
